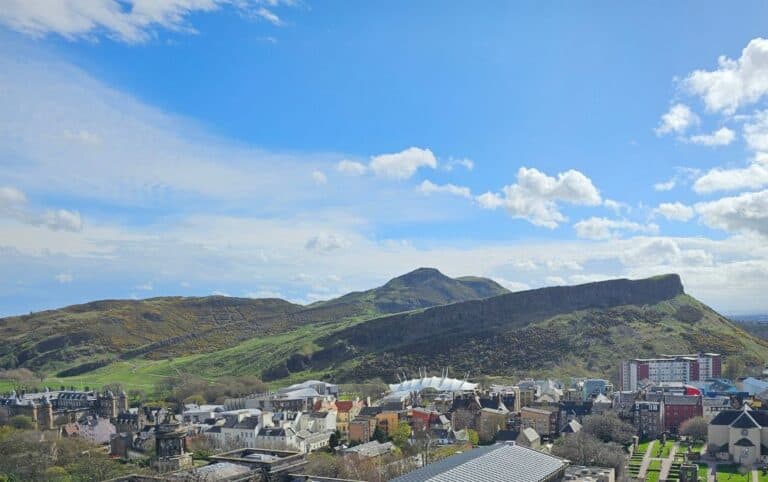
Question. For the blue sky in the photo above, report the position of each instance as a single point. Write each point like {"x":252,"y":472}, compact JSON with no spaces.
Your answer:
{"x":305,"y":149}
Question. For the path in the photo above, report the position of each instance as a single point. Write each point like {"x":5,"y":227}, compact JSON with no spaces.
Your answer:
{"x":666,"y":463}
{"x":646,"y":460}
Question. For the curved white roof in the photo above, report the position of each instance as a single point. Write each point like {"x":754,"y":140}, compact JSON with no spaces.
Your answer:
{"x":436,"y":383}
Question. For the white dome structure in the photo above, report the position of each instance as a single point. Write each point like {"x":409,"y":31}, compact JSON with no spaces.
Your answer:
{"x":440,"y":384}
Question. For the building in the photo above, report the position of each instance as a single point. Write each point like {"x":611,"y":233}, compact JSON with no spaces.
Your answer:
{"x":361,"y":429}
{"x":711,"y":406}
{"x":740,"y":436}
{"x":669,"y":368}
{"x":528,"y":437}
{"x":754,"y":386}
{"x":51,"y":409}
{"x":593,"y":387}
{"x":346,"y":411}
{"x":648,"y":418}
{"x":505,"y":462}
{"x":543,"y":420}
{"x":679,"y":408}
{"x":370,"y":449}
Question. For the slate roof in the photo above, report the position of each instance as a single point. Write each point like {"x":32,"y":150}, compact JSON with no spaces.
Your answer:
{"x":728,"y":417}
{"x":506,"y":462}
{"x":745,"y":421}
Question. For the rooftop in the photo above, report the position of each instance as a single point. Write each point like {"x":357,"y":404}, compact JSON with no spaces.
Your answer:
{"x":505,"y":462}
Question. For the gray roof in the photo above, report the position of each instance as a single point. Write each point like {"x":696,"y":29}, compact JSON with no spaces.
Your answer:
{"x":505,"y":462}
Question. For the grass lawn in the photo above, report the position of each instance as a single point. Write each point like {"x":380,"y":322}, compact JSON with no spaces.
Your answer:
{"x":664,"y":450}
{"x":642,"y":447}
{"x":703,"y":471}
{"x":762,"y":476}
{"x":730,"y":473}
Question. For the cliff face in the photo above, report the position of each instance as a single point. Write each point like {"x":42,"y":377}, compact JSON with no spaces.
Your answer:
{"x":508,"y":311}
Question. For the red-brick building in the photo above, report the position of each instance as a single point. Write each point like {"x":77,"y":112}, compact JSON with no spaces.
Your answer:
{"x":679,"y":408}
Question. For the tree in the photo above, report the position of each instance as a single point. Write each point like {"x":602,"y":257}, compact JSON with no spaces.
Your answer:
{"x":379,"y":435}
{"x":402,"y":434}
{"x":695,"y":427}
{"x":334,"y":440}
{"x":734,"y":368}
{"x":473,"y":437}
{"x":586,"y":449}
{"x":22,"y":422}
{"x":609,"y":428}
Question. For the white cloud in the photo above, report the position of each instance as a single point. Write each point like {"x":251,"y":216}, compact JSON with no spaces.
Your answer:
{"x":678,"y":119}
{"x":148,"y":286}
{"x":64,"y":278}
{"x":264,"y":294}
{"x":616,"y":206}
{"x":11,"y":197}
{"x":403,"y":164}
{"x":13,"y":204}
{"x":746,"y":212}
{"x":675,"y":211}
{"x":756,"y":131}
{"x":129,"y":21}
{"x":351,"y":167}
{"x":721,"y":137}
{"x":489,"y":200}
{"x":428,"y":187}
{"x":535,"y":196}
{"x":604,"y":228}
{"x":319,"y":177}
{"x":512,"y":285}
{"x":61,"y":219}
{"x":752,"y":177}
{"x":734,"y":83}
{"x":666,"y":185}
{"x":327,"y":242}
{"x":466,"y":163}
{"x":221,"y":293}
{"x":555,"y":281}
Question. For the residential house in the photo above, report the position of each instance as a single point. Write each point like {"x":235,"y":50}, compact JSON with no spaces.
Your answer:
{"x":543,"y":420}
{"x":528,"y":437}
{"x":679,"y":408}
{"x":346,"y":411}
{"x":361,"y":429}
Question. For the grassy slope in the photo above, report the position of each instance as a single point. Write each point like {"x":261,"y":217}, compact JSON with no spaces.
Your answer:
{"x":595,"y":340}
{"x":160,"y":327}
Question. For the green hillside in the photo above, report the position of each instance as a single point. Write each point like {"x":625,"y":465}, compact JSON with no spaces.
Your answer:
{"x":562,"y":331}
{"x":80,"y":339}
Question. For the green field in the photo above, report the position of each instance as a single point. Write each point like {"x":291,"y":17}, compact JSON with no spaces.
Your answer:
{"x":730,"y":473}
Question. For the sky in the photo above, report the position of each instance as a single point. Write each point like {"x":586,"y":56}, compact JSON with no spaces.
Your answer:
{"x":302,"y":149}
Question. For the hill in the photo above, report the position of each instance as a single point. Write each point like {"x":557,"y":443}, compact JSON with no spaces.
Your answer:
{"x":78,"y":339}
{"x":575,"y":330}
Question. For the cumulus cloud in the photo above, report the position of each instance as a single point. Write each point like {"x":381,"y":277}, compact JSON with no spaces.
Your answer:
{"x":746,"y":212}
{"x":665,"y":185}
{"x":675,"y":211}
{"x":734,"y":83}
{"x":452,"y":163}
{"x":678,"y":119}
{"x":756,"y":131}
{"x":129,"y":21}
{"x":327,"y":242}
{"x":752,"y":177}
{"x":555,"y":281}
{"x":351,"y":167}
{"x":721,"y":137}
{"x":13,"y":204}
{"x":403,"y":164}
{"x":604,"y":228}
{"x":535,"y":196}
{"x":616,"y":206}
{"x":428,"y":187}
